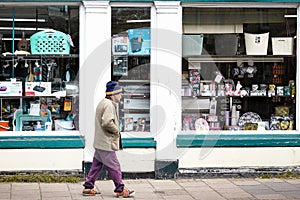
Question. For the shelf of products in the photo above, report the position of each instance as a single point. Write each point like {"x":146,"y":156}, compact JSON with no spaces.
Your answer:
{"x":238,"y":80}
{"x":135,"y":104}
{"x":239,"y":100}
{"x":47,"y":83}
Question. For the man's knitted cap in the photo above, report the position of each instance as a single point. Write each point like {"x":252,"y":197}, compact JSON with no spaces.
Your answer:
{"x":112,"y":88}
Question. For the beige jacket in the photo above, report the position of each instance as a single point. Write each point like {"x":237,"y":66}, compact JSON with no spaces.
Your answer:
{"x":107,"y":132}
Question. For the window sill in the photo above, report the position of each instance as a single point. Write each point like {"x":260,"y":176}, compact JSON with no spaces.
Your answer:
{"x":240,"y":139}
{"x":37,"y":140}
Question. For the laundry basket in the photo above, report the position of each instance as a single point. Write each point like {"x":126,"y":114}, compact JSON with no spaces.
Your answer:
{"x":192,"y":45}
{"x":282,"y":45}
{"x":49,"y":42}
{"x":256,"y":44}
{"x":226,"y":44}
{"x":4,"y":125}
{"x":62,"y":125}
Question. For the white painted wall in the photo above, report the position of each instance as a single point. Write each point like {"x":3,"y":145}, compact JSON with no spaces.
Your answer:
{"x":239,"y":157}
{"x":137,"y":159}
{"x":40,"y":159}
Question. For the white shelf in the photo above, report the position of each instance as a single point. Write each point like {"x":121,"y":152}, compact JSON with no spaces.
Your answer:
{"x":134,"y":81}
{"x":230,"y":59}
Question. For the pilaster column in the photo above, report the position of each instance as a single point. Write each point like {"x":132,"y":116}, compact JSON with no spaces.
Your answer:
{"x":97,"y":24}
{"x":166,"y":79}
{"x":95,"y":64}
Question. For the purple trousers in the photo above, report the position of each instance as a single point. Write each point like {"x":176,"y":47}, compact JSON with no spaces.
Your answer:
{"x":110,"y":161}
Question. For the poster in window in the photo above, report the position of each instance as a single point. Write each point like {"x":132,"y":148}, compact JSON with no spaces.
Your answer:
{"x":128,"y":124}
{"x":187,"y":123}
{"x":141,"y":125}
{"x":139,"y":41}
{"x":119,"y":45}
{"x":120,"y":66}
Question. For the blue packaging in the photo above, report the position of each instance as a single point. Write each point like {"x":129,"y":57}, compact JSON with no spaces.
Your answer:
{"x":139,"y":41}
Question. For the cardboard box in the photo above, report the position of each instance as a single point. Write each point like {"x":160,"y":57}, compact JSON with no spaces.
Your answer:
{"x":8,"y":88}
{"x":38,"y":89}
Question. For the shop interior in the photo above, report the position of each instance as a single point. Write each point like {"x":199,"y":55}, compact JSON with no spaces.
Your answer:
{"x":39,"y":62}
{"x":131,"y":65}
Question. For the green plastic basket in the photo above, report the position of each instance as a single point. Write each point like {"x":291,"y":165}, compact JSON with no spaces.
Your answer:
{"x":49,"y":42}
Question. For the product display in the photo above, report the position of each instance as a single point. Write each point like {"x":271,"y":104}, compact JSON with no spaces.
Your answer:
{"x":39,"y":68}
{"x":247,"y":86}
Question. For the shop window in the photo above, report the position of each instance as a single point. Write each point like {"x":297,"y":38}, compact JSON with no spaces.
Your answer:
{"x":131,"y":42}
{"x":39,"y":68}
{"x":239,"y":69}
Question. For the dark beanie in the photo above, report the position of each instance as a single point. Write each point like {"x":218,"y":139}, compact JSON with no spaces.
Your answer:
{"x":112,"y":88}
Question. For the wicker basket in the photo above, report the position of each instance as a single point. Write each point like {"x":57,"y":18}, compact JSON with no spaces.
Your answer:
{"x":49,"y":42}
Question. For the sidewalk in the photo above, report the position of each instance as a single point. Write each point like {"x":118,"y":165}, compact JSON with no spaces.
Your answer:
{"x":178,"y":189}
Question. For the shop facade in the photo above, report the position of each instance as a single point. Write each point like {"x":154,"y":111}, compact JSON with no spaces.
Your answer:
{"x":207,"y":84}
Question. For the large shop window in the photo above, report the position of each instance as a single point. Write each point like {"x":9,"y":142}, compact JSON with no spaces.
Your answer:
{"x":131,"y":42}
{"x":39,"y":65}
{"x":239,"y":69}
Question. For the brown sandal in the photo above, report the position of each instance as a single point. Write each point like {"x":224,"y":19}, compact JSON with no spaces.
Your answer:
{"x":89,"y":192}
{"x":126,"y":193}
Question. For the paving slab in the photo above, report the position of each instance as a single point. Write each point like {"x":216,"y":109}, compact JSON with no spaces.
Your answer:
{"x":240,"y":182}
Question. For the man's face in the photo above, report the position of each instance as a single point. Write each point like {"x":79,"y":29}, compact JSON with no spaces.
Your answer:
{"x":116,"y":98}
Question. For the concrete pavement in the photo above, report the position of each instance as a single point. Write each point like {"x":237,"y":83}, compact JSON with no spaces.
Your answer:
{"x":175,"y":189}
